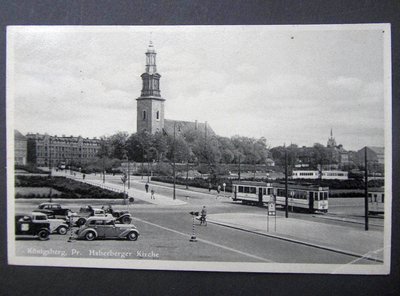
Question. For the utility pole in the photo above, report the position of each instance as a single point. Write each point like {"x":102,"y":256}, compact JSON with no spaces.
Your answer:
{"x":366,"y":189}
{"x":286,"y":185}
{"x":187,"y":174}
{"x":148,"y":167}
{"x":173,"y":161}
{"x":254,"y":160}
{"x":239,"y":168}
{"x":129,"y":175}
{"x":50,"y":169}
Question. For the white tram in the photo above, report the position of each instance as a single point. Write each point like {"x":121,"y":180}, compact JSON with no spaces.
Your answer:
{"x":301,"y":197}
{"x":376,"y":200}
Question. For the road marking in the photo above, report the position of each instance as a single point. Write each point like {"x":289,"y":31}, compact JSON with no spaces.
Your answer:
{"x":207,"y":242}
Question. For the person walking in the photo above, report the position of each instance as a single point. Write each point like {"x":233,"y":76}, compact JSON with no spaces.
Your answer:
{"x":209,"y":187}
{"x":219,"y":189}
{"x":152,"y":194}
{"x":146,"y":187}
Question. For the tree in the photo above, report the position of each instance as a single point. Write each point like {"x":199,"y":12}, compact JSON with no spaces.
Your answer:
{"x":118,"y":143}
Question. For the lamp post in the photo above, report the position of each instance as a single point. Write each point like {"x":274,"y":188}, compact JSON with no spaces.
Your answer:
{"x":366,"y":189}
{"x":173,"y":162}
{"x":187,"y":174}
{"x":286,"y":185}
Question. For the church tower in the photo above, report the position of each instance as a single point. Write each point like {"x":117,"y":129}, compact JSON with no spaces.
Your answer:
{"x":150,"y":104}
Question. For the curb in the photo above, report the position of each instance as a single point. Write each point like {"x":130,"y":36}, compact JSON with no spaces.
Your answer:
{"x":300,"y":242}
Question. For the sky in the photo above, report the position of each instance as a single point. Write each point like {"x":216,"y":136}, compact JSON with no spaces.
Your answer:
{"x":289,"y":84}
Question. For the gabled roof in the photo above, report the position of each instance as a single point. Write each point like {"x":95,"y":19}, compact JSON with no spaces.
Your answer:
{"x":185,"y":126}
{"x":18,"y":135}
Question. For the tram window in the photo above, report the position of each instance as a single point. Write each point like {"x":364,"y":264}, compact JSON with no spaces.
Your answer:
{"x":383,"y":198}
{"x":252,"y":189}
{"x":269,"y":191}
{"x":264,"y":191}
{"x":246,"y":189}
{"x":325,"y":195}
{"x":375,"y":197}
{"x":311,"y":194}
{"x":240,"y":188}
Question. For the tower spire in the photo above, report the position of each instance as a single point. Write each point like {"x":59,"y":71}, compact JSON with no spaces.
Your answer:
{"x":151,"y":67}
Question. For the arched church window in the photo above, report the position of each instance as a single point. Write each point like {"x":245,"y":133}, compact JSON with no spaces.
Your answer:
{"x":144,"y":115}
{"x":158,"y":115}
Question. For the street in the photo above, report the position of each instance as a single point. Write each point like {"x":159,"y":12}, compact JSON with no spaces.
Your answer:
{"x":165,"y":231}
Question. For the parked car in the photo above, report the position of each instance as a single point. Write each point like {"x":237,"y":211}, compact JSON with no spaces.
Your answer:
{"x":105,"y":227}
{"x":35,"y":224}
{"x":59,"y":226}
{"x":84,"y":213}
{"x":54,"y":208}
{"x":121,"y":216}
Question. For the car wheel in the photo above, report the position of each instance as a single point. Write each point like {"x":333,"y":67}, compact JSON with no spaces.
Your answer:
{"x":62,"y":230}
{"x":90,"y":236}
{"x":126,"y":220}
{"x":132,"y":236}
{"x":43,"y":234}
{"x":81,"y":221}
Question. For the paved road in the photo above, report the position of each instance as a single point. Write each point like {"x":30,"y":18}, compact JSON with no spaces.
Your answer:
{"x":166,"y":232}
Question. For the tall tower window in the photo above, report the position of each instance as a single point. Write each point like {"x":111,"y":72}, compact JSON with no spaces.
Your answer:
{"x":158,"y":115}
{"x":144,"y":115}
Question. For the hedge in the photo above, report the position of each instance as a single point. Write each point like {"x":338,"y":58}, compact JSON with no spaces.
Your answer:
{"x":69,"y":188}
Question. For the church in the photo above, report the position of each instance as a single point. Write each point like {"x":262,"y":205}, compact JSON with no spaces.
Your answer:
{"x":150,"y":104}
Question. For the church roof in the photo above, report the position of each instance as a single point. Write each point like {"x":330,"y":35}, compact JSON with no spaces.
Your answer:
{"x":186,"y":126}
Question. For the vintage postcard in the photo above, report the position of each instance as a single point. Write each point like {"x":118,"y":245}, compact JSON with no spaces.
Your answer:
{"x":207,"y":148}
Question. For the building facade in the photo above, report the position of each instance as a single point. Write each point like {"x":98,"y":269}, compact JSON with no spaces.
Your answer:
{"x":20,"y":148}
{"x":150,"y":104}
{"x":52,"y":151}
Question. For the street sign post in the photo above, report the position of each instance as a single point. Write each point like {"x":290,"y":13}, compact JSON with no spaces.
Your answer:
{"x":271,"y":212}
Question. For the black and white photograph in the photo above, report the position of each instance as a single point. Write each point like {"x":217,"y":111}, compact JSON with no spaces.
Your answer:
{"x":247,"y":148}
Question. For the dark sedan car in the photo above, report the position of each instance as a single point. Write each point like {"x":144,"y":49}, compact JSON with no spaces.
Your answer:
{"x":54,"y":209}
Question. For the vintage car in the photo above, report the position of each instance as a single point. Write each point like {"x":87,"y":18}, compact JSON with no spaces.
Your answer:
{"x":35,"y":224}
{"x":105,"y":227}
{"x":120,"y":216}
{"x":59,"y":226}
{"x":84,"y":213}
{"x":54,"y":208}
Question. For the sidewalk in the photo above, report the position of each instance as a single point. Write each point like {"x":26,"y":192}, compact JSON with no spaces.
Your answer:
{"x":356,"y":242}
{"x":135,"y":193}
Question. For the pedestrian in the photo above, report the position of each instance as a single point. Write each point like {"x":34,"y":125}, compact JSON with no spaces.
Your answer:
{"x":209,"y":187}
{"x":83,"y":176}
{"x":219,"y":188}
{"x":146,"y":187}
{"x":152,"y":194}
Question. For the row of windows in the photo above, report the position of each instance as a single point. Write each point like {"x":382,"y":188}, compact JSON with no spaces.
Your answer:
{"x":376,"y":197}
{"x":297,"y":194}
{"x":304,"y":174}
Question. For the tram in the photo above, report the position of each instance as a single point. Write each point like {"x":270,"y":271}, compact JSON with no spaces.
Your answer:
{"x":308,"y":198}
{"x":376,"y":201}
{"x":251,"y":192}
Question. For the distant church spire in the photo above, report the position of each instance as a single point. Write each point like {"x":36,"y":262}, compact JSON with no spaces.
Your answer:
{"x":331,"y":141}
